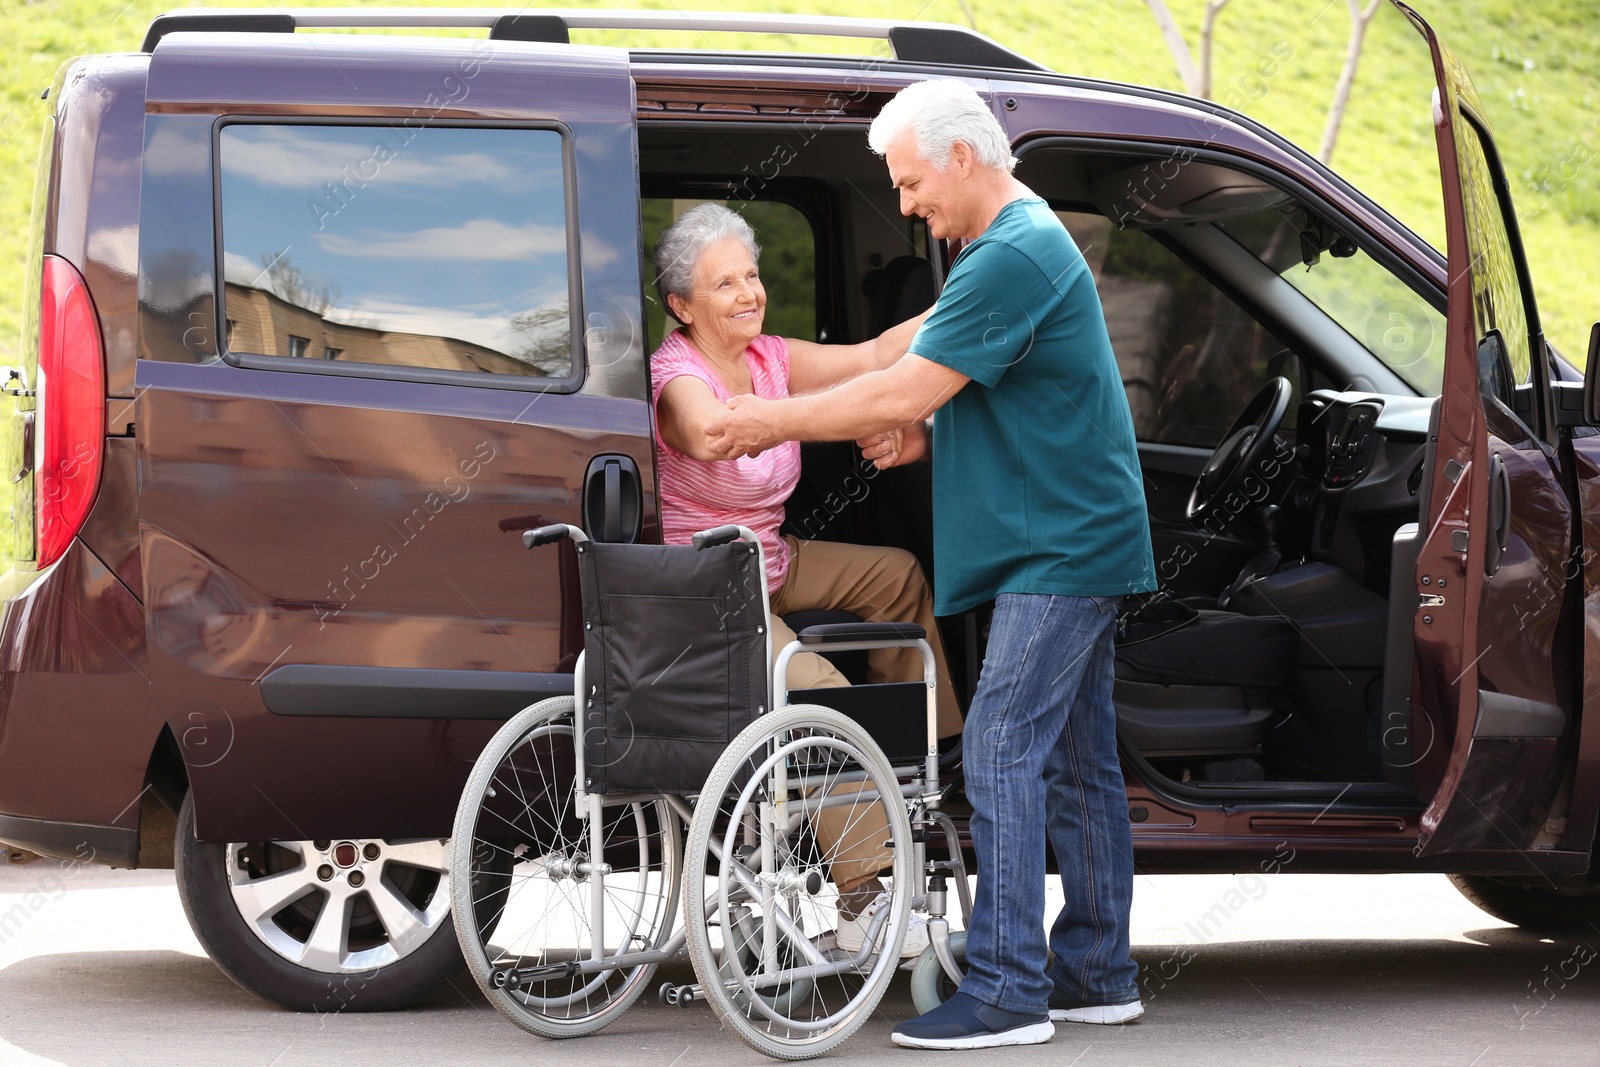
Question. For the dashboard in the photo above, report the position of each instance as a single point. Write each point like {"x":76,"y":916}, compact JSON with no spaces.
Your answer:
{"x":1363,"y":461}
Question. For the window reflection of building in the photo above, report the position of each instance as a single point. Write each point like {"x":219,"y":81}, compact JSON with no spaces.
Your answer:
{"x":260,"y":321}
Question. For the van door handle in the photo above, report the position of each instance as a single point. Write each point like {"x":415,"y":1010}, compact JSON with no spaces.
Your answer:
{"x":612,"y":521}
{"x":1499,"y":514}
{"x":612,"y":500}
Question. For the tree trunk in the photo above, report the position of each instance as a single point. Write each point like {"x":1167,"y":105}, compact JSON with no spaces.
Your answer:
{"x":1359,"y":20}
{"x":1178,"y":46}
{"x":1208,"y":25}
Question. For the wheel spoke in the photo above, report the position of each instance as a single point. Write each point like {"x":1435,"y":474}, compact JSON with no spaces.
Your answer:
{"x":325,"y":948}
{"x":429,"y":854}
{"x":403,"y":923}
{"x":261,"y":898}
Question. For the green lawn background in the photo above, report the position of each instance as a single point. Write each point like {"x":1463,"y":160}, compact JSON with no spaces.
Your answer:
{"x":1536,"y":65}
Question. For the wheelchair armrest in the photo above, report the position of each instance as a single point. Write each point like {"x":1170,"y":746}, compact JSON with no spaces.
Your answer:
{"x":838,"y":632}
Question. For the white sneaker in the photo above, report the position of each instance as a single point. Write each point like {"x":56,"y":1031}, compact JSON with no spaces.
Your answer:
{"x":852,"y":933}
{"x":1102,"y":1014}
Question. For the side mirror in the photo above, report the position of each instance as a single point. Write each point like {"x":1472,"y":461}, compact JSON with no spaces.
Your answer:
{"x":1591,"y":371}
{"x":1494,"y":366}
{"x":1578,"y":405}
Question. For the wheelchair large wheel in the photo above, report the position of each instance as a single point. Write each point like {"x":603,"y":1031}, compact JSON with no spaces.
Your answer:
{"x":759,"y":911}
{"x":525,"y":900}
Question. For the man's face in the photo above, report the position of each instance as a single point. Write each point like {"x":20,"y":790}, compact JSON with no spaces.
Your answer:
{"x":925,"y":191}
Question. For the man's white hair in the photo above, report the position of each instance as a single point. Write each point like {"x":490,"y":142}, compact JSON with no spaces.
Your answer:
{"x":939,"y":112}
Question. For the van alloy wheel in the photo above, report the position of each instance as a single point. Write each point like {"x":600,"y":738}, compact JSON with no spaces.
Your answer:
{"x":342,"y":906}
{"x":346,"y":924}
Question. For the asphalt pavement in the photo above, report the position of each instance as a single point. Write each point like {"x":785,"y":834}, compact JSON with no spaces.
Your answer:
{"x":1291,"y":969}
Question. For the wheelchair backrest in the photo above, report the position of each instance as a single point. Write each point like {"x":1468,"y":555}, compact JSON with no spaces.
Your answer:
{"x":675,"y":661}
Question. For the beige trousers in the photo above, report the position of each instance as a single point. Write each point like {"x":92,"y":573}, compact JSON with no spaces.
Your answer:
{"x":880,"y":585}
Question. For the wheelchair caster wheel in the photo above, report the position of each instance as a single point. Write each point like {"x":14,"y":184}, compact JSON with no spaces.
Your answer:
{"x":676,"y":996}
{"x":930,"y":985}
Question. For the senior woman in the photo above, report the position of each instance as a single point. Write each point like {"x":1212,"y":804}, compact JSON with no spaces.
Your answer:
{"x":708,"y":280}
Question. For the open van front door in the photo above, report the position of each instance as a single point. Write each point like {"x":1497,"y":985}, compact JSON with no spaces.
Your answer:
{"x":1493,"y":701}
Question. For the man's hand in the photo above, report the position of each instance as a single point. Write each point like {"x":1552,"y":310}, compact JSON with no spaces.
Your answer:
{"x":747,"y":428}
{"x":897,"y":447}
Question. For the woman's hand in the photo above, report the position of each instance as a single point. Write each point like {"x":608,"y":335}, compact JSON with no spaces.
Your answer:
{"x":897,"y":447}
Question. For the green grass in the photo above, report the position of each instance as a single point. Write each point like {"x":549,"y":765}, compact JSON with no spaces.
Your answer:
{"x":1537,"y":68}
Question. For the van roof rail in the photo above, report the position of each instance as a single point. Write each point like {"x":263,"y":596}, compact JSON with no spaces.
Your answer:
{"x":917,"y":42}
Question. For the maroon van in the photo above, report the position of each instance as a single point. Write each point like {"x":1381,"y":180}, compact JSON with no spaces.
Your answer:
{"x":320,"y":323}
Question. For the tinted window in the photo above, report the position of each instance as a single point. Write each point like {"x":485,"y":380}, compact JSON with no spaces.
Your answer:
{"x":788,"y":263}
{"x":1373,"y":306}
{"x":1190,"y":357}
{"x":443,"y":248}
{"x":1500,"y":321}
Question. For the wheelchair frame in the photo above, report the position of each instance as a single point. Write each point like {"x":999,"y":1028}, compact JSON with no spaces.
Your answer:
{"x":788,"y":799}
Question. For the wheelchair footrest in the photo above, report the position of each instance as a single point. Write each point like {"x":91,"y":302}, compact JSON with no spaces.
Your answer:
{"x":520,"y":977}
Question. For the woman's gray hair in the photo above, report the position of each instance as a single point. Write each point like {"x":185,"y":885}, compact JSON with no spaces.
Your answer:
{"x":682,"y":244}
{"x":940,"y":112}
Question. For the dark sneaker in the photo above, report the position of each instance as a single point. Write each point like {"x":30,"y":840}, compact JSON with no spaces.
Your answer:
{"x":964,"y":1021}
{"x":1065,"y":1010}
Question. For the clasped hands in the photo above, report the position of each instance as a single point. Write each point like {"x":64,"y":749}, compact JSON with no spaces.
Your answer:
{"x":749,"y":427}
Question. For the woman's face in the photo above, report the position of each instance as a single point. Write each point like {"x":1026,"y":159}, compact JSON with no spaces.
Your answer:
{"x":726,"y":302}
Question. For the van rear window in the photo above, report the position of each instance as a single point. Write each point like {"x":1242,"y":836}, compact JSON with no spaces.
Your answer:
{"x":440,"y":247}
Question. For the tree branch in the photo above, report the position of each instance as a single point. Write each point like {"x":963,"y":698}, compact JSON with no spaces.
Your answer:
{"x":1208,"y":25}
{"x":1359,"y":20}
{"x":1177,"y":46}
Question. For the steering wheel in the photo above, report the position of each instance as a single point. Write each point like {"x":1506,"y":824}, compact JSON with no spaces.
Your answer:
{"x":1247,"y":442}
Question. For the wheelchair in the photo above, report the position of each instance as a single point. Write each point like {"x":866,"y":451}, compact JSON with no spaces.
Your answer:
{"x":683,"y":775}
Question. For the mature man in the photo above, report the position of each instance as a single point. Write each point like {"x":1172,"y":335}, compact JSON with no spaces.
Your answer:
{"x":1038,"y":506}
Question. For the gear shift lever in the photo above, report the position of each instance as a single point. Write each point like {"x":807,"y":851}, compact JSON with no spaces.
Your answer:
{"x":1265,"y":562}
{"x":1267,"y":523}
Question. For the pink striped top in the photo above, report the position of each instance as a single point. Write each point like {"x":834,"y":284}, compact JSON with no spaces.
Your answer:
{"x":696,"y":494}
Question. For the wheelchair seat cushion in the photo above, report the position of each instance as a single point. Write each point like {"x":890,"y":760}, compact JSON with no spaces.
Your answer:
{"x":1171,"y":643}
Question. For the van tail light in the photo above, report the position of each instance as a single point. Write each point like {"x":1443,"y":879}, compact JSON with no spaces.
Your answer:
{"x":70,"y":419}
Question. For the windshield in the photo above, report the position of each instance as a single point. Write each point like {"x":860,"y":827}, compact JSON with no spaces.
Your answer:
{"x":1378,"y":309}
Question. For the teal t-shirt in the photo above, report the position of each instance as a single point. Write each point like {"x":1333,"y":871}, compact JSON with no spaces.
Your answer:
{"x":1036,"y":475}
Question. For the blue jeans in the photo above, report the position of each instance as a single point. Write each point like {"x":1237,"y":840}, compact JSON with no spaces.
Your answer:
{"x":1040,"y":755}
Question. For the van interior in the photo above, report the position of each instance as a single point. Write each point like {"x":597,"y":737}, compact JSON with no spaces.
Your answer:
{"x":1265,"y":668}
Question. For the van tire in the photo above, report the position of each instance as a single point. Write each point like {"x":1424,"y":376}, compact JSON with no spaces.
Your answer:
{"x":1541,"y":908}
{"x":427,"y":956}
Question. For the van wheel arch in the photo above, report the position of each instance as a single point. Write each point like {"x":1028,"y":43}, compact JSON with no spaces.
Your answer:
{"x":166,"y":783}
{"x":206,"y":877}
{"x":1539,"y":908}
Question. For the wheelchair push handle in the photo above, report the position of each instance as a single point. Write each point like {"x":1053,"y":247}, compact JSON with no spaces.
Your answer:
{"x":547,"y":535}
{"x":722,"y":535}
